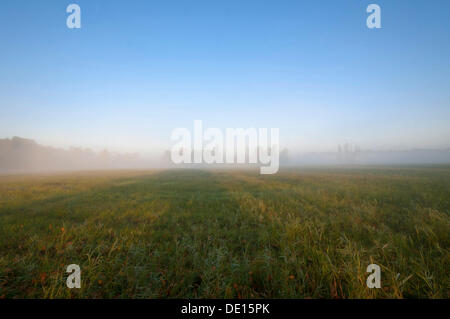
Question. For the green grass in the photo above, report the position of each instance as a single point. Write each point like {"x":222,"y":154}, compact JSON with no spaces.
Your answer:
{"x":227,"y":234}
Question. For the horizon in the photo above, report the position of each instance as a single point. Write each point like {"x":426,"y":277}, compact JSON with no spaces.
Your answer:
{"x":336,"y":150}
{"x":19,"y":155}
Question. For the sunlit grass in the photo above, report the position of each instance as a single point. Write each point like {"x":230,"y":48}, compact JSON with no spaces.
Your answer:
{"x":233,"y":234}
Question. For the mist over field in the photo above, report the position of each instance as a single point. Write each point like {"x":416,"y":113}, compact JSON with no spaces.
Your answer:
{"x":20,"y":155}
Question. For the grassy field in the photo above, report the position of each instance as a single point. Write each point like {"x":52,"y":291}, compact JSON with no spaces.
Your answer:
{"x":302,"y":233}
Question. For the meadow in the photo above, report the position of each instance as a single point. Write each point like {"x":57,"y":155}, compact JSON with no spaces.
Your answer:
{"x":301,"y":233}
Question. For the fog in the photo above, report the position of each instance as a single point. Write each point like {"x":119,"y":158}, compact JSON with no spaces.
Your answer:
{"x":20,"y":155}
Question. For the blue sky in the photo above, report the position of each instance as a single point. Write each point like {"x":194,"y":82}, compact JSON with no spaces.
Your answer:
{"x":138,"y":69}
